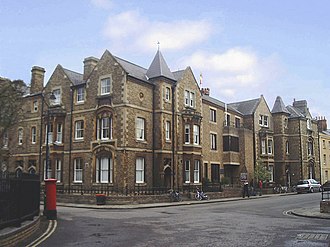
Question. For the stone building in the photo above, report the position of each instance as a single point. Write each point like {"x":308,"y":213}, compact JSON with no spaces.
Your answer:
{"x":259,"y":120}
{"x":120,"y":125}
{"x":324,"y":143}
{"x":296,"y":143}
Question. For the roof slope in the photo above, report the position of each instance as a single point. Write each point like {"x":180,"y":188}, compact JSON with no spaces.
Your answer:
{"x":158,"y":67}
{"x":132,"y":69}
{"x":75,"y":77}
{"x":247,"y":107}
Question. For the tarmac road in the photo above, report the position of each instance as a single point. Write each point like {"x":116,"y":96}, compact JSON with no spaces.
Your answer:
{"x":249,"y":222}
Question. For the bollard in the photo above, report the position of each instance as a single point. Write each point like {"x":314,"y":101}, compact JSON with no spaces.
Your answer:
{"x":50,"y":186}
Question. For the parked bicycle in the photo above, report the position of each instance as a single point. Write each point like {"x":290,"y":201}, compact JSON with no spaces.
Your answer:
{"x":175,"y":196}
{"x":280,"y":189}
{"x":200,"y":195}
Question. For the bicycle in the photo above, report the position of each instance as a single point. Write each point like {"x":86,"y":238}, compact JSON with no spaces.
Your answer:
{"x":175,"y":196}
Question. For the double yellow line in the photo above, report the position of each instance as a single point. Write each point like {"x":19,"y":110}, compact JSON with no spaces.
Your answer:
{"x":50,"y":230}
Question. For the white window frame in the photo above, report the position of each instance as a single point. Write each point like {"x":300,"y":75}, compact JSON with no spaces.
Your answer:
{"x":196,"y":130}
{"x":78,"y":170}
{"x":270,"y":146}
{"x":196,"y":171}
{"x":33,"y":135}
{"x":104,"y":128}
{"x":140,"y":128}
{"x":105,"y":86}
{"x":80,"y":94}
{"x":263,"y":146}
{"x":187,"y":134}
{"x":20,"y":136}
{"x":213,"y":115}
{"x":167,"y":94}
{"x":271,"y":173}
{"x":139,"y":170}
{"x":58,"y":170}
{"x":79,"y":130}
{"x":35,"y":106}
{"x":167,"y":130}
{"x":57,"y":99}
{"x":104,"y":170}
{"x":187,"y":171}
{"x":59,"y":133}
{"x":213,"y":138}
{"x":264,"y":120}
{"x":50,"y":133}
{"x":287,"y":149}
{"x":49,"y":169}
{"x":5,"y":139}
{"x":189,"y":98}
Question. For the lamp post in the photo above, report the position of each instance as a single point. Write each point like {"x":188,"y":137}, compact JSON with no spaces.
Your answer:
{"x":51,"y":97}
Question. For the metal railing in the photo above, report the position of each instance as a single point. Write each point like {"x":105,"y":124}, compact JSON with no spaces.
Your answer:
{"x":19,"y":198}
{"x":109,"y":189}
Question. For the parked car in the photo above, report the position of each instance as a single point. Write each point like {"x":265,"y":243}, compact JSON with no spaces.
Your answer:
{"x":326,"y":186}
{"x":308,"y":185}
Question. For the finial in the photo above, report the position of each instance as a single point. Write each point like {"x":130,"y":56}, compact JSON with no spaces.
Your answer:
{"x":158,"y":43}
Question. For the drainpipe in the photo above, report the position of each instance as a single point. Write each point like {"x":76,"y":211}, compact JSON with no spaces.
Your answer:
{"x":318,"y":143}
{"x":40,"y":137}
{"x":301,"y":156}
{"x":70,"y":143}
{"x":173,"y":144}
{"x":153,"y":137}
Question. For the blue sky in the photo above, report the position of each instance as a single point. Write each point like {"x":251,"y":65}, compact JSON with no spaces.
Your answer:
{"x":242,"y":48}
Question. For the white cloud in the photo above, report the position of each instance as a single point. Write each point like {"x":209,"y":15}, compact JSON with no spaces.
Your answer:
{"x":130,"y":30}
{"x":236,"y":73}
{"x":103,"y":4}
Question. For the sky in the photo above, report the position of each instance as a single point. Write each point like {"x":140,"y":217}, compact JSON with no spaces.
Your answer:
{"x":243,"y":49}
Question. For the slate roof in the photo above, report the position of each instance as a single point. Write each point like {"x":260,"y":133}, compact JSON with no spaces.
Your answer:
{"x":178,"y":74}
{"x":247,"y":107}
{"x":75,"y":77}
{"x":294,"y":112}
{"x":279,"y":106}
{"x":132,"y":69}
{"x":218,"y":103}
{"x":158,"y":67}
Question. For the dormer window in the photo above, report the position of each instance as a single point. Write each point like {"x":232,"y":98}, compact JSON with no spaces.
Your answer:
{"x":105,"y":86}
{"x":189,"y":98}
{"x":57,"y":98}
{"x":80,"y":94}
{"x":263,"y":121}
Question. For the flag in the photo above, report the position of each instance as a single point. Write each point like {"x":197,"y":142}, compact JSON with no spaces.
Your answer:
{"x":200,"y":78}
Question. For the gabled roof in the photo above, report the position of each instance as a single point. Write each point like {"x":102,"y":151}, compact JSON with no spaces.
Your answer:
{"x":75,"y":77}
{"x":247,"y":107}
{"x":279,"y":106}
{"x":132,"y":69}
{"x":159,"y":68}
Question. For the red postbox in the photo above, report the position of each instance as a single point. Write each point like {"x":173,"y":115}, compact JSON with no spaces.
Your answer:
{"x":50,"y":209}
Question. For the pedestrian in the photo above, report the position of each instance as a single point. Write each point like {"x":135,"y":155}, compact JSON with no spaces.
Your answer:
{"x":260,"y":187}
{"x":246,"y":189}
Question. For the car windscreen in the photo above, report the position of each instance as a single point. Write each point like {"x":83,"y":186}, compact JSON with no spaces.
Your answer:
{"x":302,"y":182}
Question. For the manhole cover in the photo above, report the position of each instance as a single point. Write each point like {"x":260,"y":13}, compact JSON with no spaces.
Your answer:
{"x":313,"y":236}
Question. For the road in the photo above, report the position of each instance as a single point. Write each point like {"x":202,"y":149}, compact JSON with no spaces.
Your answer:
{"x":249,"y":222}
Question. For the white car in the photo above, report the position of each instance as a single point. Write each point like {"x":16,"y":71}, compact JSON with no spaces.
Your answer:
{"x":308,"y":185}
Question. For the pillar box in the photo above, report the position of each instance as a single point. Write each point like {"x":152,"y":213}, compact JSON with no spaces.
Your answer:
{"x":50,"y":187}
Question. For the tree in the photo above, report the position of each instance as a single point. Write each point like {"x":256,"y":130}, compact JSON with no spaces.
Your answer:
{"x":11,"y":93}
{"x":261,"y":172}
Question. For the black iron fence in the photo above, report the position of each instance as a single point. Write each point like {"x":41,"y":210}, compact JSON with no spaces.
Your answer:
{"x":109,"y":189}
{"x":19,"y":198}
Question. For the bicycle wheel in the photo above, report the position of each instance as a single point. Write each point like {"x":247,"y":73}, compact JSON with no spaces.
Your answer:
{"x":198,"y":197}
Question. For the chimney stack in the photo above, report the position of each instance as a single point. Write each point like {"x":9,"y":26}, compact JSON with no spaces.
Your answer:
{"x":89,"y":65}
{"x":205,"y":91}
{"x":37,"y":79}
{"x":322,"y":124}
